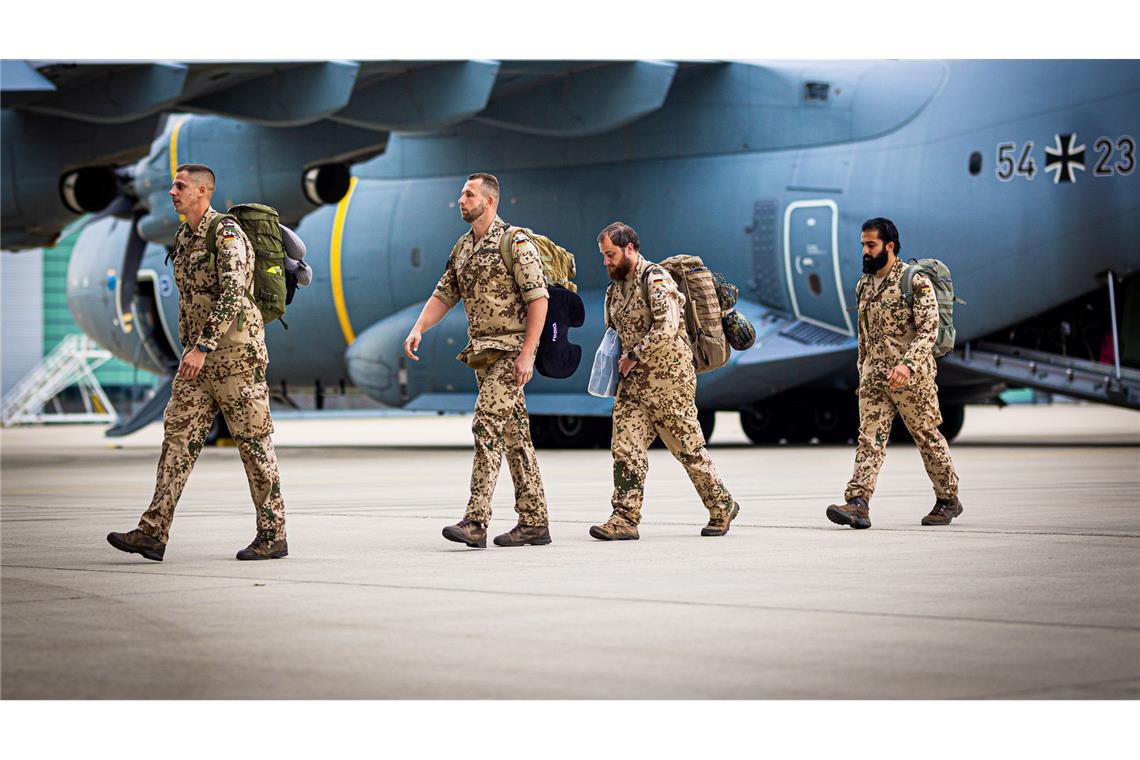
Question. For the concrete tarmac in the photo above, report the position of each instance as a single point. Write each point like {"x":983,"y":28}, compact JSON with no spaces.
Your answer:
{"x":1033,"y":593}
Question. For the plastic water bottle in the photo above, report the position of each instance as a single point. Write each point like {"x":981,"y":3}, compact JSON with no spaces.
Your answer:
{"x":604,"y":374}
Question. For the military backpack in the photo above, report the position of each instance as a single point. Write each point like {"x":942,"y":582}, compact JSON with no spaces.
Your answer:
{"x":939,"y":275}
{"x":261,"y":225}
{"x":557,"y":263}
{"x":701,"y":313}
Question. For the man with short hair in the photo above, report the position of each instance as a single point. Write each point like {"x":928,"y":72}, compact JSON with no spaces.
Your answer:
{"x":506,"y":311}
{"x":223,"y":367}
{"x":896,"y":374}
{"x":657,"y":388}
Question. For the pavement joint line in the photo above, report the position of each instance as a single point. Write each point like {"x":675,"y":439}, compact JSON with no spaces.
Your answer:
{"x":118,"y":595}
{"x":630,"y":600}
{"x":1039,"y":689}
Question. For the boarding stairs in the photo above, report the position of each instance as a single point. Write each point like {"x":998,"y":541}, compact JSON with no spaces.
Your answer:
{"x":72,"y":362}
{"x":1063,"y":375}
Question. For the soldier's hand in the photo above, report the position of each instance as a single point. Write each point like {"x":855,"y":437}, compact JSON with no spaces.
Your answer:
{"x":192,"y":362}
{"x":898,"y":377}
{"x":524,"y":368}
{"x":625,"y":366}
{"x":412,"y":344}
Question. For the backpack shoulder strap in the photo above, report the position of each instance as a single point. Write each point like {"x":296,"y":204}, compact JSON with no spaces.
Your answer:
{"x":178,"y":234}
{"x":505,"y":246}
{"x":907,"y":282}
{"x":212,"y":232}
{"x":645,"y":278}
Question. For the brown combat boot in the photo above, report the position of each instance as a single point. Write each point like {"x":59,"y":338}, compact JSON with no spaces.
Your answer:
{"x":855,"y":513}
{"x":718,"y":525}
{"x":521,"y":535}
{"x":944,"y":511}
{"x":262,"y":548}
{"x":467,"y":532}
{"x":137,"y":542}
{"x":615,"y":529}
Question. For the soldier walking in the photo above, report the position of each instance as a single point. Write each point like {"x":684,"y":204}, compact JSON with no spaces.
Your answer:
{"x":506,"y":311}
{"x":896,"y":374}
{"x":657,"y":388}
{"x":223,"y":367}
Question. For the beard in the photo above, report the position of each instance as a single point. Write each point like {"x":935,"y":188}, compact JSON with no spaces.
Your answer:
{"x":872,"y":264}
{"x":621,"y":271}
{"x":473,"y":214}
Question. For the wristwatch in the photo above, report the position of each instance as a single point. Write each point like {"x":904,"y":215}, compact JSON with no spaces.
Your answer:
{"x":203,"y":349}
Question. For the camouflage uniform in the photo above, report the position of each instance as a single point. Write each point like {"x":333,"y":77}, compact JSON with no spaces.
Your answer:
{"x":496,"y":304}
{"x":658,"y":396}
{"x":214,"y":312}
{"x":891,"y":333}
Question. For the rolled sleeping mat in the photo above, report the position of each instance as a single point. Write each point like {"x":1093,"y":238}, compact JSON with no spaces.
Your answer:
{"x":300,"y":270}
{"x":294,"y":246}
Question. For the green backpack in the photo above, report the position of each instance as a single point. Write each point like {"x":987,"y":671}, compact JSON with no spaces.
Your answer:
{"x":939,"y":276}
{"x":260,"y":224}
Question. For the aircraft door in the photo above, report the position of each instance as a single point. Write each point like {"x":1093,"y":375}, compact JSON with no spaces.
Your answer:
{"x":811,"y":261}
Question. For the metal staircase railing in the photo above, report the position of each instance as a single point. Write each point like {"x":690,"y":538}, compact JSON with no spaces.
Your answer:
{"x":72,"y":362}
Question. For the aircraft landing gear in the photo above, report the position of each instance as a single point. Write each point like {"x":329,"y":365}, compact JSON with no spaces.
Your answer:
{"x":569,"y":431}
{"x":827,"y":416}
{"x":762,"y":423}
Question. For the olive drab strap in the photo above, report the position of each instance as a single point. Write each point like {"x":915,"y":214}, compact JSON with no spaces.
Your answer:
{"x":170,"y":251}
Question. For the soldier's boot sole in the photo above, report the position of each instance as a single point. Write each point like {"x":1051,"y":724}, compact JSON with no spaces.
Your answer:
{"x":601,"y":535}
{"x":949,"y":517}
{"x":460,"y":538}
{"x":253,"y":557}
{"x":535,"y":542}
{"x":125,"y":547}
{"x":706,"y":531}
{"x":842,"y":518}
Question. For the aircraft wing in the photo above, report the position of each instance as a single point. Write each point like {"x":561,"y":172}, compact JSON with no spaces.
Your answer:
{"x":74,"y":125}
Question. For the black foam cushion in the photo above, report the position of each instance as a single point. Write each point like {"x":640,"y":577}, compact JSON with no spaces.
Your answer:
{"x":557,"y":356}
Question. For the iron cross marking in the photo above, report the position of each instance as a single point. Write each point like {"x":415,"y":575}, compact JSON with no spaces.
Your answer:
{"x":1064,"y":158}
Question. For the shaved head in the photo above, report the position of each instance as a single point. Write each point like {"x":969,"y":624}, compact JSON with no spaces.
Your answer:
{"x":199,"y":174}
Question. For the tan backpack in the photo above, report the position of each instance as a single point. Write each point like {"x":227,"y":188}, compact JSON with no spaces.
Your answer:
{"x":557,"y":262}
{"x":702,"y":312}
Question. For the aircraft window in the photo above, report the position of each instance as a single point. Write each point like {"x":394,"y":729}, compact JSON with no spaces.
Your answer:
{"x":815,"y":284}
{"x":816,"y":90}
{"x":975,"y":163}
{"x":417,"y":258}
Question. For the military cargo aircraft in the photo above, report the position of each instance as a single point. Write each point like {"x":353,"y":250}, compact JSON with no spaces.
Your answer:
{"x":1019,"y":175}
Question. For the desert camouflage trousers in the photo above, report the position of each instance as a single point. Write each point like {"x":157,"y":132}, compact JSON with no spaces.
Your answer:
{"x":244,"y":402}
{"x":641,"y":416}
{"x":917,"y":404}
{"x":502,"y":426}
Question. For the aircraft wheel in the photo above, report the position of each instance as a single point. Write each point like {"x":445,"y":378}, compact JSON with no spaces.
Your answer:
{"x":761,"y":423}
{"x":834,"y":418}
{"x":603,"y":428}
{"x":953,"y":418}
{"x":569,"y":431}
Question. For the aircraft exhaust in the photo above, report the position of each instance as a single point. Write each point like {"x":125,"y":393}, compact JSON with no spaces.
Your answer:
{"x":326,"y":184}
{"x":89,"y":190}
